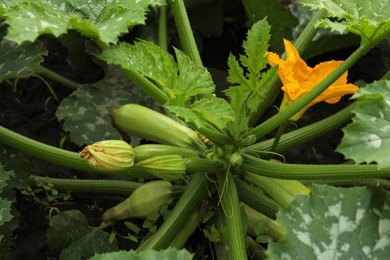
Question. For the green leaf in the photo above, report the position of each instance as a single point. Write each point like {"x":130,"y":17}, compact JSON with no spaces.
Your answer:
{"x":273,"y":11}
{"x":19,"y":60}
{"x":86,"y":111}
{"x":70,"y":230}
{"x":215,"y":111}
{"x":249,"y":82}
{"x":369,"y":19}
{"x":188,"y":87}
{"x":8,"y":214}
{"x":335,"y":223}
{"x":367,"y":138}
{"x":169,"y":253}
{"x":100,"y":20}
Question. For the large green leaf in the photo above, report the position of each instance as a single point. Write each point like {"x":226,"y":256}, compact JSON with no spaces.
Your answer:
{"x":19,"y":60}
{"x":86,"y":111}
{"x":368,"y":18}
{"x":101,"y":20}
{"x":367,"y":138}
{"x":335,"y":223}
{"x":169,"y":253}
{"x":184,"y":83}
{"x":70,"y":230}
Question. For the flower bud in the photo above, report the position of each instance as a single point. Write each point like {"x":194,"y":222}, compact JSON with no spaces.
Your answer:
{"x":112,"y":155}
{"x":144,"y":200}
{"x":167,"y":167}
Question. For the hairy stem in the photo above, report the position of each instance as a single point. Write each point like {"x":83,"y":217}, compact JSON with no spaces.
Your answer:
{"x":305,"y":134}
{"x":311,"y":171}
{"x":120,"y":187}
{"x":235,"y":235}
{"x":184,"y":30}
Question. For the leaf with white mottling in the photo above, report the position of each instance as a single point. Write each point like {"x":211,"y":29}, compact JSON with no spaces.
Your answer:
{"x":368,"y":18}
{"x":101,"y":20}
{"x":86,"y":111}
{"x":169,"y":253}
{"x":335,"y":223}
{"x":367,"y":138}
{"x":20,"y":60}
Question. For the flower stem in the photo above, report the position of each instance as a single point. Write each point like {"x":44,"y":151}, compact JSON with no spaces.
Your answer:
{"x":59,"y":78}
{"x":60,"y":156}
{"x":235,"y":235}
{"x":191,"y":199}
{"x":305,"y":134}
{"x":184,"y":30}
{"x":311,"y":171}
{"x":279,"y":134}
{"x":295,"y":107}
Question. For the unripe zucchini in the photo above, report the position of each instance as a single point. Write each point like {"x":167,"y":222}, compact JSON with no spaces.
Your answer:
{"x":167,"y":167}
{"x":144,"y":200}
{"x":146,"y":123}
{"x":146,"y":151}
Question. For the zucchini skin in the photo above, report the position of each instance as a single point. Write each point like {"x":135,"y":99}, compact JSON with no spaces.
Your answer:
{"x":146,"y":151}
{"x":146,"y":123}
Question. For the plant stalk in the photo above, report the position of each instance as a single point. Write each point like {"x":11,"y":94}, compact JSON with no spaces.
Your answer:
{"x":162,"y":28}
{"x":235,"y":235}
{"x":184,"y":30}
{"x":305,"y":134}
{"x":266,"y":127}
{"x":191,"y":199}
{"x":312,"y":171}
{"x":59,"y":78}
{"x":120,"y":187}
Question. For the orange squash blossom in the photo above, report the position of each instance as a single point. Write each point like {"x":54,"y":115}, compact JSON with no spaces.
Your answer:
{"x":298,"y":79}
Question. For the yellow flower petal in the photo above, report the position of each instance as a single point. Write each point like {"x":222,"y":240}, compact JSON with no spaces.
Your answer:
{"x":298,"y":78}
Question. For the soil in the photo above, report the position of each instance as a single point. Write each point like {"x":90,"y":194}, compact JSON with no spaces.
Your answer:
{"x":25,"y":111}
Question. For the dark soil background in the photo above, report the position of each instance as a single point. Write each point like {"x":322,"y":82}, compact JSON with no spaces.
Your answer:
{"x":25,"y":111}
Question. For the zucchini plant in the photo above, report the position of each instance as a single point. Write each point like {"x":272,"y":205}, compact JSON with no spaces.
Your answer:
{"x":216,"y":160}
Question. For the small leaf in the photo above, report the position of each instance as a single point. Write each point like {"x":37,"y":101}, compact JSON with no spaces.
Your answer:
{"x":335,"y":223}
{"x":369,"y":19}
{"x":170,"y":253}
{"x":368,"y":136}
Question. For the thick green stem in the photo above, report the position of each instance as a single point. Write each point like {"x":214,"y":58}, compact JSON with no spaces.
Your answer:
{"x":120,"y":187}
{"x":191,"y":199}
{"x":147,"y":86}
{"x":300,"y":44}
{"x":298,"y":105}
{"x":184,"y":30}
{"x":279,"y":134}
{"x":384,"y":183}
{"x":256,"y":199}
{"x":311,"y":171}
{"x":305,"y":134}
{"x":59,"y":78}
{"x":235,"y":235}
{"x":162,"y":28}
{"x":59,"y":156}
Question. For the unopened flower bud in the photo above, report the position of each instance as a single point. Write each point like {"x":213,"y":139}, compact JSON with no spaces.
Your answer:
{"x":112,"y":155}
{"x":144,"y":200}
{"x":167,"y":167}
